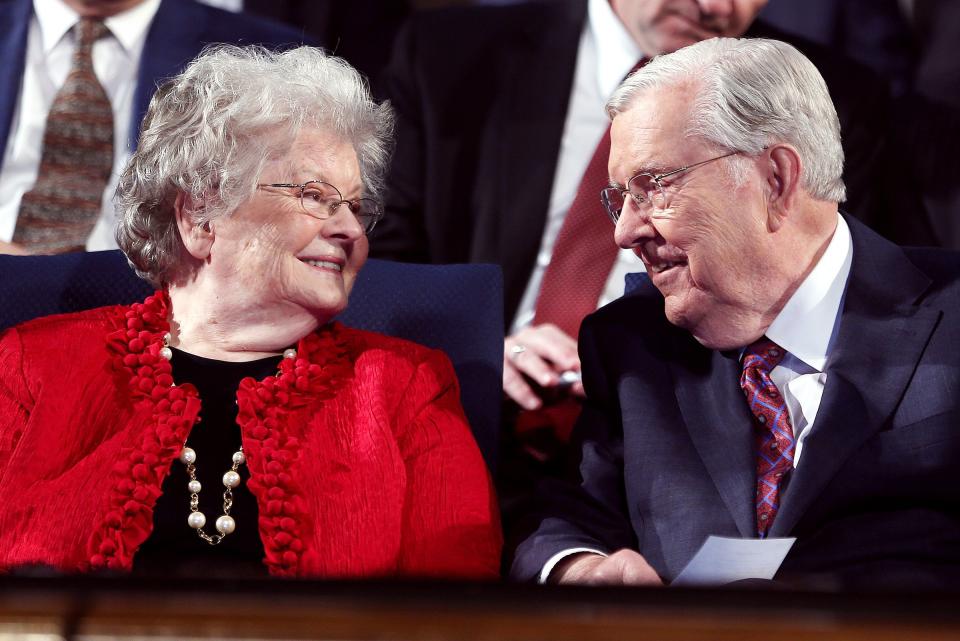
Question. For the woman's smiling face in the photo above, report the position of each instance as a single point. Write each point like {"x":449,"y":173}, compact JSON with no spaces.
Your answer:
{"x":273,"y":253}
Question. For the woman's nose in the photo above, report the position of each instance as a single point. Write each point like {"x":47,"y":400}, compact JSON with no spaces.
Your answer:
{"x":343,"y":224}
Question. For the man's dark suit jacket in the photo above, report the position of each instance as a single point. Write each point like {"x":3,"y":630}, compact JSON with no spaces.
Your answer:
{"x":481,"y":95}
{"x":179,"y":31}
{"x":667,"y":444}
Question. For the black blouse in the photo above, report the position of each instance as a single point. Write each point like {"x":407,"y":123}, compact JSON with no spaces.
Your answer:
{"x":173,"y":548}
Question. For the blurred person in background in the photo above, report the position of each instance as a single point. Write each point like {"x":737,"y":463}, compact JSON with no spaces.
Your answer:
{"x":76,"y":79}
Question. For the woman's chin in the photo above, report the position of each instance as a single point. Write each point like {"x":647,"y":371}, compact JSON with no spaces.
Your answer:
{"x":325,"y":310}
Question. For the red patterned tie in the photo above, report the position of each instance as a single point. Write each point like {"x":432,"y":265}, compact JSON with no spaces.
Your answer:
{"x":584,"y":252}
{"x":59,"y":212}
{"x":774,"y":434}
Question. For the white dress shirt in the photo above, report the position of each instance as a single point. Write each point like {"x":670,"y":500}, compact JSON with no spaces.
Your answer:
{"x":805,"y":328}
{"x":50,"y":46}
{"x":605,"y":55}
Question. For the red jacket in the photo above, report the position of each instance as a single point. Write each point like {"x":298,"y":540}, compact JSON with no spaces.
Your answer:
{"x":360,"y":458}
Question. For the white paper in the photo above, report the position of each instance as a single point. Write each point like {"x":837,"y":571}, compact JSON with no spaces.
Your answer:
{"x":723,"y":560}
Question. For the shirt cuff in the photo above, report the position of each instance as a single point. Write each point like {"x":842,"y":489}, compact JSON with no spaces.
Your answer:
{"x":559,"y":556}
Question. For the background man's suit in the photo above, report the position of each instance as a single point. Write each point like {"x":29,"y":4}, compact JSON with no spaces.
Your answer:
{"x":668,"y":455}
{"x":179,"y":31}
{"x":481,"y":96}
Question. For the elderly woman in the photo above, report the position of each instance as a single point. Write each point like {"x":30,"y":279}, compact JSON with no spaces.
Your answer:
{"x":225,"y":424}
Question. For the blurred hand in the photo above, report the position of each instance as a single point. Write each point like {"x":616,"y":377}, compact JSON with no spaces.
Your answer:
{"x":624,"y":567}
{"x":542,"y":353}
{"x":12,"y":248}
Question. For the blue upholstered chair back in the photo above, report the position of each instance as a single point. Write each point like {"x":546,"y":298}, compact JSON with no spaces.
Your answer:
{"x":636,"y":282}
{"x":455,"y":308}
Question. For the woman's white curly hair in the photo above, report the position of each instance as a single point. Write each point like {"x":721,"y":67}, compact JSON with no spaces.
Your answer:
{"x":209,"y":132}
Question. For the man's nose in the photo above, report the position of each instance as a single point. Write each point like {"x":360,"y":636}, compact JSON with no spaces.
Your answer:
{"x":634,"y":225}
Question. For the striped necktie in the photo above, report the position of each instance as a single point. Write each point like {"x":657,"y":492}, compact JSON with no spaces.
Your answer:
{"x":59,"y":212}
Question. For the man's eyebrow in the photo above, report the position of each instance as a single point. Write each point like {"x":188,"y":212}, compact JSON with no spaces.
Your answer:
{"x":653,"y":168}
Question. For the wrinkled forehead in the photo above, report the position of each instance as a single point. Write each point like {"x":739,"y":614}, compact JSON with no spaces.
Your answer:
{"x":317,"y":154}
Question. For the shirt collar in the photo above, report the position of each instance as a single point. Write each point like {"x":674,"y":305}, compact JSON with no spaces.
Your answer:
{"x":806,"y":324}
{"x":55,"y":19}
{"x":617,"y":52}
{"x":128,"y":27}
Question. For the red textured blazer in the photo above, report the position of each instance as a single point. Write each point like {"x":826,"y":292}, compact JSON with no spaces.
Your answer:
{"x":360,"y":458}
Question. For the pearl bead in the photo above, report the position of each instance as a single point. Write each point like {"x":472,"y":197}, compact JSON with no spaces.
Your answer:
{"x":289,"y":353}
{"x":194,"y":487}
{"x":239,"y":458}
{"x":231,"y":479}
{"x":226,"y":524}
{"x":196,"y":520}
{"x":188,"y":456}
{"x":166,"y":353}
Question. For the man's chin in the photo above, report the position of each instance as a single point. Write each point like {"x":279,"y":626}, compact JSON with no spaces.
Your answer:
{"x":718,"y":336}
{"x":724,"y":337}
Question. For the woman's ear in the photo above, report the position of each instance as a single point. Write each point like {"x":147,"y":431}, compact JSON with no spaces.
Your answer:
{"x":784,"y":168}
{"x":197,"y":236}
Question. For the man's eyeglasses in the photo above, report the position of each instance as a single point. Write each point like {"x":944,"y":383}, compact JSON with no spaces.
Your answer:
{"x":322,"y":200}
{"x":646,"y":190}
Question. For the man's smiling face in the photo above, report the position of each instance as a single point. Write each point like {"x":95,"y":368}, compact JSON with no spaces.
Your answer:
{"x":707,"y":250}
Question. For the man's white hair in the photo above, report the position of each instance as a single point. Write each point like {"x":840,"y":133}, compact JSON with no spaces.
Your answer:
{"x":749,"y":94}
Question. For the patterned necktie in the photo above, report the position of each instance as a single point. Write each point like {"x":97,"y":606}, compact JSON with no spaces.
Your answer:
{"x":58,"y":214}
{"x":584,"y":252}
{"x":775,"y":444}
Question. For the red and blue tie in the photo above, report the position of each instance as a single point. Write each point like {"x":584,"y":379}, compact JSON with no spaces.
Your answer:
{"x":774,"y":435}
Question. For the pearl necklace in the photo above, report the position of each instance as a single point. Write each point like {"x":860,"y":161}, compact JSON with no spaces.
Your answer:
{"x":225,"y":523}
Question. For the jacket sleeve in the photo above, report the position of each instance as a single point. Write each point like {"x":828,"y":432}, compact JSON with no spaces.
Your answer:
{"x":587,"y":510}
{"x":15,"y":399}
{"x":451,"y":525}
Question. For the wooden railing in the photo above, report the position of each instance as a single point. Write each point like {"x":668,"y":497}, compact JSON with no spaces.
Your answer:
{"x":73,"y":608}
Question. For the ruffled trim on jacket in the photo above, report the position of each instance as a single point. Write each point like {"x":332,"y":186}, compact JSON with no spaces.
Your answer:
{"x":323,"y":364}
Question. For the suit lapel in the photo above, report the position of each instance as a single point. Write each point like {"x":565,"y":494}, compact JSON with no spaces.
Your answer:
{"x":882,"y":335}
{"x":529,"y":126}
{"x":174,"y":38}
{"x":707,"y":386}
{"x":13,"y":53}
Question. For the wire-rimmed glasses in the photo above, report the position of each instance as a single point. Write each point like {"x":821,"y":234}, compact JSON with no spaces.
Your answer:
{"x":647,"y":190}
{"x":322,"y":200}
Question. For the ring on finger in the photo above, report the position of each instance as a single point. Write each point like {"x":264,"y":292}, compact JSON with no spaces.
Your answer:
{"x":516,"y":351}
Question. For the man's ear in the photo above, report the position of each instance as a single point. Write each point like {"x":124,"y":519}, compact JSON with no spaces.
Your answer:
{"x":784,"y":168}
{"x":197,"y":237}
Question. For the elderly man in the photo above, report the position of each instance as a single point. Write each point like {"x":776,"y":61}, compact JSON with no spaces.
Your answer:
{"x":795,"y":374}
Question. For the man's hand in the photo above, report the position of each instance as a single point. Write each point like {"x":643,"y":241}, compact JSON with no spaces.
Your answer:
{"x":542,"y":353}
{"x":624,"y":567}
{"x":12,"y":248}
